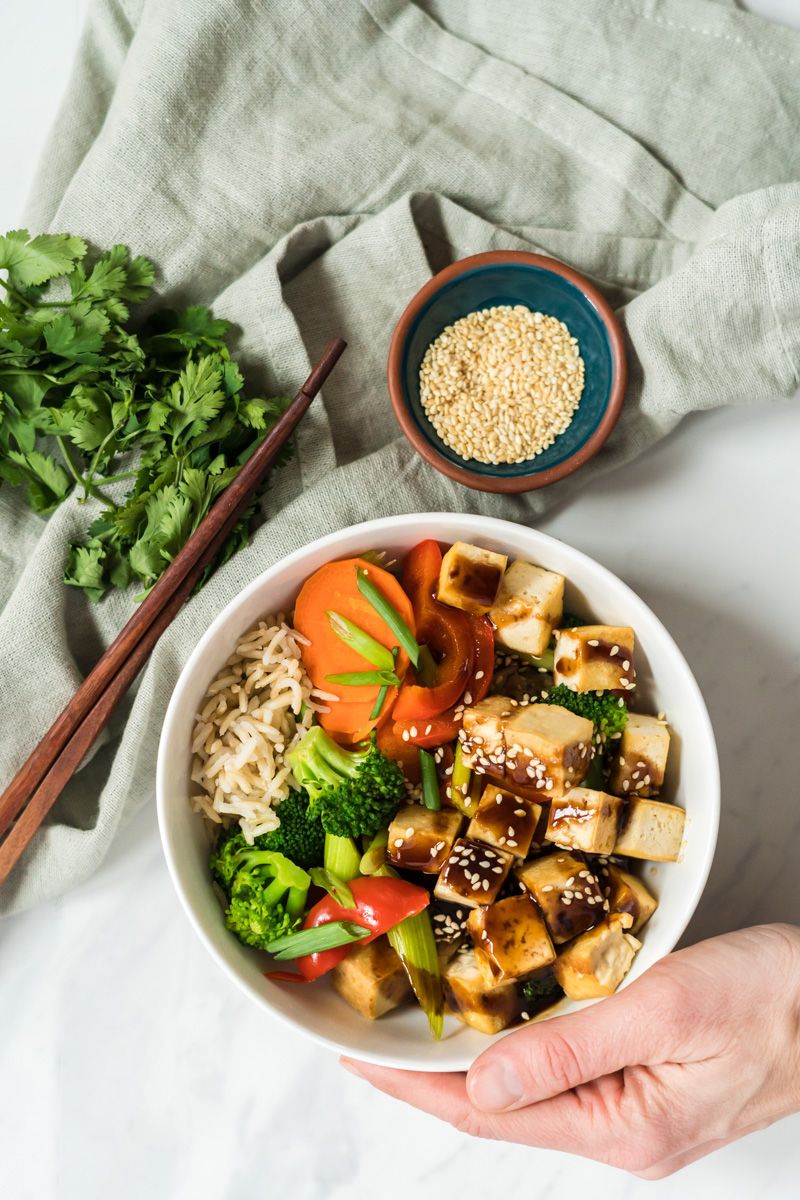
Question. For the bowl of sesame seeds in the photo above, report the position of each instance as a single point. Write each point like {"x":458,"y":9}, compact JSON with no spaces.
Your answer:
{"x":507,"y":371}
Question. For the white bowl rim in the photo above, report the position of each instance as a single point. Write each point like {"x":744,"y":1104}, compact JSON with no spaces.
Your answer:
{"x":493,"y":526}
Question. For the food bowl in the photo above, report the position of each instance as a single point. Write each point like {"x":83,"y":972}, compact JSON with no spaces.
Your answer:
{"x":402,"y":1039}
{"x":541,"y":284}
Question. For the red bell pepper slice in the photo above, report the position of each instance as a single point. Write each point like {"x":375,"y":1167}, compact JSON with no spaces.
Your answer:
{"x":445,"y":631}
{"x":442,"y":728}
{"x":400,"y":751}
{"x":381,"y":902}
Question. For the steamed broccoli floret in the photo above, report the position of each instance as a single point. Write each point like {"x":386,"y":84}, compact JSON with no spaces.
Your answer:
{"x":300,"y":835}
{"x":223,"y":861}
{"x":355,"y":791}
{"x":267,"y":895}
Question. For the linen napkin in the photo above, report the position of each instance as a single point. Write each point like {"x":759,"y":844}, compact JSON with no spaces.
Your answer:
{"x":303,"y":167}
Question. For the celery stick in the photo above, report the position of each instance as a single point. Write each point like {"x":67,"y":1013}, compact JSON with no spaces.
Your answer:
{"x":341,"y":857}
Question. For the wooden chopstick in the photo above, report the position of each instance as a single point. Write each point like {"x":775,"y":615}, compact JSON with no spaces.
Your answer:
{"x":40,"y":780}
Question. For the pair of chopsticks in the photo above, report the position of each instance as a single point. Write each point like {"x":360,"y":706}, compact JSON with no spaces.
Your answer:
{"x":41,"y":779}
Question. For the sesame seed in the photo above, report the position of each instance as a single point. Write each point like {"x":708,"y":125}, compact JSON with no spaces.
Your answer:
{"x":428,"y":728}
{"x":525,"y":1016}
{"x":479,"y":675}
{"x":593,"y":642}
{"x":413,"y":731}
{"x":398,"y":841}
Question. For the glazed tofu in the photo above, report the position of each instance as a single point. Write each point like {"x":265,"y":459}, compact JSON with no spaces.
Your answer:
{"x":529,"y":605}
{"x":626,"y":893}
{"x":547,"y":748}
{"x":420,"y":839}
{"x":640,"y":757}
{"x":567,"y":891}
{"x":482,"y":735}
{"x":510,"y":939}
{"x":449,"y":926}
{"x":585,"y":820}
{"x":595,"y":658}
{"x":489,"y":1009}
{"x":473,"y":874}
{"x":469,"y":578}
{"x":652,"y":830}
{"x":505,"y":821}
{"x":372,"y":979}
{"x":596,"y":963}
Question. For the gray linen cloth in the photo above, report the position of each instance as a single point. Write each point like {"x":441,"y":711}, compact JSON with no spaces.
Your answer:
{"x":303,"y":167}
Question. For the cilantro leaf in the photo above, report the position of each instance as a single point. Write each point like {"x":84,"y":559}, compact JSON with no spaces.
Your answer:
{"x":48,"y":482}
{"x":33,"y":261}
{"x":85,"y":569}
{"x":153,"y":424}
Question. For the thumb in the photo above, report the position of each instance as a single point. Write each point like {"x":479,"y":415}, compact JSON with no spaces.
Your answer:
{"x":555,"y":1055}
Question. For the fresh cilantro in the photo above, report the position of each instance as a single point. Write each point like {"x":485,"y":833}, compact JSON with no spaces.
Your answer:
{"x":152,"y":424}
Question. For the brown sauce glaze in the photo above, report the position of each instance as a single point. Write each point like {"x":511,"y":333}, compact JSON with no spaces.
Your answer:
{"x":476,"y":581}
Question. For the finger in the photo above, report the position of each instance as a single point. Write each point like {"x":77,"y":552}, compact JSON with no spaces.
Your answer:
{"x":550,"y":1057}
{"x":571,"y":1123}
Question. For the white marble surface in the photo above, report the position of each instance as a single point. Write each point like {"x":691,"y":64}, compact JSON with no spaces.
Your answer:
{"x":131,"y":1068}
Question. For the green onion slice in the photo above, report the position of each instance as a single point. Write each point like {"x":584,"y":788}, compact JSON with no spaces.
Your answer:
{"x":388,"y":613}
{"x":360,"y":641}
{"x":322,"y":937}
{"x":381,"y":696}
{"x":336,"y":887}
{"x":365,"y":678}
{"x":430,"y":784}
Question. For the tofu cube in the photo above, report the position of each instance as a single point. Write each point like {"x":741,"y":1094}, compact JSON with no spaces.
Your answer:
{"x":420,"y":839}
{"x":510,"y":938}
{"x":548,"y":748}
{"x":627,"y":893}
{"x":585,"y":820}
{"x":567,"y":891}
{"x":595,"y":658}
{"x":482,"y":738}
{"x":529,"y":605}
{"x":473,"y":874}
{"x":372,"y":979}
{"x":449,"y":925}
{"x":640,"y":757}
{"x":505,"y":820}
{"x":596,"y":963}
{"x":488,"y":1009}
{"x":469,"y":578}
{"x":652,"y":830}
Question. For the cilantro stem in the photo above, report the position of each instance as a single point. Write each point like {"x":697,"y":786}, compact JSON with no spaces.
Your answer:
{"x":117,"y":478}
{"x":70,"y":464}
{"x":87,"y":485}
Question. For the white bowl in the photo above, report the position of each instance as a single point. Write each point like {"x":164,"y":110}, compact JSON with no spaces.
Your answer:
{"x":665,"y":683}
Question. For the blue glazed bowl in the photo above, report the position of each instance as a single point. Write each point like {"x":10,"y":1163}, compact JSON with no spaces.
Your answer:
{"x":544,"y":285}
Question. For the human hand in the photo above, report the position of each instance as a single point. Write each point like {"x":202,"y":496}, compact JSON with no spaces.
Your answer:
{"x":700,"y":1050}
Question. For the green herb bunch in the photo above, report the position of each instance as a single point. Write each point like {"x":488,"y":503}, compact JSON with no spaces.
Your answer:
{"x":86,"y":403}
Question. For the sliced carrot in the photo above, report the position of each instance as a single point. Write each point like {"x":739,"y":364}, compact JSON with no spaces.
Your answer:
{"x":333,"y":588}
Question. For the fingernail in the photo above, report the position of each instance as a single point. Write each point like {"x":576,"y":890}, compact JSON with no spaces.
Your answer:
{"x":352,"y":1067}
{"x":495,"y":1086}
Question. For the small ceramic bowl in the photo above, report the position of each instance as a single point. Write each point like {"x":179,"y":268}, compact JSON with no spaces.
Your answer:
{"x":664,"y":681}
{"x":541,"y":284}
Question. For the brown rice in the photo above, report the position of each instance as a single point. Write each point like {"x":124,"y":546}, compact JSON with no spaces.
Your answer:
{"x":255,"y":710}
